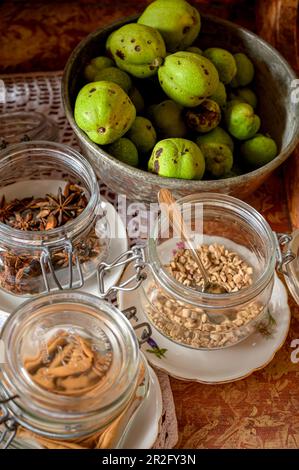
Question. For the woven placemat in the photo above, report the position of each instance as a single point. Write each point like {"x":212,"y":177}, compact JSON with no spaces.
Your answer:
{"x":42,"y":92}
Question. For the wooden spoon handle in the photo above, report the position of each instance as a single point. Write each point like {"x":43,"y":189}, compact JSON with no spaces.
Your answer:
{"x":176,"y":219}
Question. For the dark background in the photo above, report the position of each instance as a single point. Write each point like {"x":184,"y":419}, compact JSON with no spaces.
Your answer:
{"x":39,"y":35}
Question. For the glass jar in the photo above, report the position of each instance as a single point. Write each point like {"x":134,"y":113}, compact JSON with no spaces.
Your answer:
{"x":22,"y":126}
{"x":236,"y":238}
{"x":72,"y":366}
{"x":36,"y":261}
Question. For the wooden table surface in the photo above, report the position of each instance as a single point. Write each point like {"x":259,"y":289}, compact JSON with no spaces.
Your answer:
{"x":261,"y":411}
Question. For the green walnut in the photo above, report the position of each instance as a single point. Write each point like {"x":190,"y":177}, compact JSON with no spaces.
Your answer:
{"x":137,"y":99}
{"x":218,"y":158}
{"x":224,"y":62}
{"x":124,"y":150}
{"x":188,"y":78}
{"x":95,"y":65}
{"x":137,"y":49}
{"x":246,"y":95}
{"x":216,"y":136}
{"x":167,"y":119}
{"x":195,"y":50}
{"x":115,"y":75}
{"x":259,"y":150}
{"x":220,"y":95}
{"x":241,"y":121}
{"x":245,"y":71}
{"x":177,"y":21}
{"x":143,"y":134}
{"x":232,"y":102}
{"x":177,"y":158}
{"x":104,"y":111}
{"x":205,"y":117}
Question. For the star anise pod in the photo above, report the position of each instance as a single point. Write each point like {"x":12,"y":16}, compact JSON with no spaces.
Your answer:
{"x":13,"y":261}
{"x":30,"y":269}
{"x":61,"y":259}
{"x":23,"y":222}
{"x":6,"y":210}
{"x":61,"y":207}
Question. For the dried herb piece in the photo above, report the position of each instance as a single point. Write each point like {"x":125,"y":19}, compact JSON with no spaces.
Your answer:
{"x":72,"y":367}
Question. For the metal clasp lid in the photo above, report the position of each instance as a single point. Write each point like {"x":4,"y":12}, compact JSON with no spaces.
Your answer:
{"x":9,"y":422}
{"x":287,"y":260}
{"x":284,"y":254}
{"x":46,"y":261}
{"x":135,"y":255}
{"x":25,"y":126}
{"x":146,"y":333}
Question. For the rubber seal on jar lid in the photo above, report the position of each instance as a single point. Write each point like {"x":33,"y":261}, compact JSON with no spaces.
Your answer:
{"x":291,"y":265}
{"x":26,"y":126}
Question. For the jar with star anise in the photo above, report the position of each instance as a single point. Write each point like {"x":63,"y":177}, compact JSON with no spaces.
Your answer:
{"x":53,"y":229}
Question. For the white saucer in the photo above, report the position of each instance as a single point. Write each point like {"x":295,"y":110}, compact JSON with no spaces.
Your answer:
{"x":218,"y":366}
{"x":9,"y":302}
{"x":144,"y":428}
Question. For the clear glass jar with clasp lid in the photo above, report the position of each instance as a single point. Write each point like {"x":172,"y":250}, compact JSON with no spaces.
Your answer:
{"x":65,"y":249}
{"x":72,"y":368}
{"x":239,"y":251}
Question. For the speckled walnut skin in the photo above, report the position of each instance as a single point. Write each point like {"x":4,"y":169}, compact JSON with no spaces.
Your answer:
{"x":279,"y":115}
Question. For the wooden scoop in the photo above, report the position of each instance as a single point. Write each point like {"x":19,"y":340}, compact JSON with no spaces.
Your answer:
{"x":176,"y":219}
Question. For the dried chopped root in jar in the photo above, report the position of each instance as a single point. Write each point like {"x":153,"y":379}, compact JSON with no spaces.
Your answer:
{"x":224,"y":267}
{"x":190,"y":325}
{"x":201,"y":333}
{"x":68,"y":365}
{"x":34,"y":363}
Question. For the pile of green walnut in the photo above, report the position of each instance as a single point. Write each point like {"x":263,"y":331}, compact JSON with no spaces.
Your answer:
{"x":161,"y":104}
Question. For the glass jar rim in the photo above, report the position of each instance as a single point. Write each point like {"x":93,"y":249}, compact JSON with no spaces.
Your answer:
{"x":45,"y":401}
{"x":23,"y":126}
{"x":75,"y":225}
{"x":204,"y":299}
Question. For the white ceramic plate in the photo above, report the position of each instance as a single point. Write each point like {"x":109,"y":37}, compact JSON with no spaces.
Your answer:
{"x":9,"y":302}
{"x":144,"y":428}
{"x":219,"y":366}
